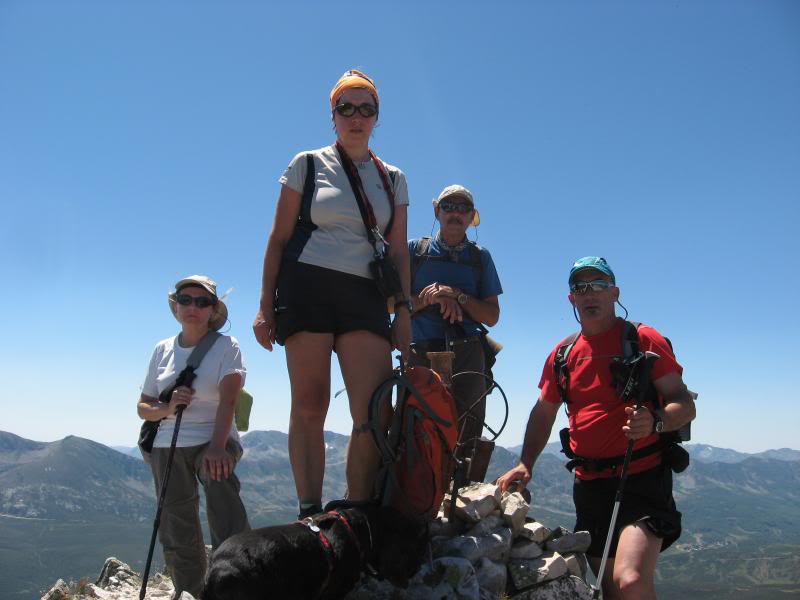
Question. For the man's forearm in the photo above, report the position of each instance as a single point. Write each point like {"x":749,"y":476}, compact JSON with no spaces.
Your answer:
{"x":482,"y":311}
{"x":540,"y":424}
{"x":678,"y":411}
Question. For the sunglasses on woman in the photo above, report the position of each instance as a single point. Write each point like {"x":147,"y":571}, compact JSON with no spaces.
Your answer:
{"x":582,"y":287}
{"x":199,"y":301}
{"x":449,"y":206}
{"x":348,"y":109}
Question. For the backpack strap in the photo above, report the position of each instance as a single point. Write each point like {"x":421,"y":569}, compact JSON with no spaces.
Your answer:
{"x":304,"y":226}
{"x":560,"y":365}
{"x":477,"y":263}
{"x":630,"y":340}
{"x":420,"y":256}
{"x":202,"y":348}
{"x":186,"y":376}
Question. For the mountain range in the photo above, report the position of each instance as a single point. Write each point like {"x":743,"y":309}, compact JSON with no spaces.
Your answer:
{"x":67,"y":505}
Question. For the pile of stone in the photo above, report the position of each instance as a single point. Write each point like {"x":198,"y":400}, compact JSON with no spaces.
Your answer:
{"x":117,"y":581}
{"x":492,"y":550}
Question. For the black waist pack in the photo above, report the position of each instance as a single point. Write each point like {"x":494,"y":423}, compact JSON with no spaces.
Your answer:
{"x":147,"y":436}
{"x":149,"y":429}
{"x":386,"y":276}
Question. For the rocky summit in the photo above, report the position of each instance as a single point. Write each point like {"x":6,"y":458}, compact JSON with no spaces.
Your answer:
{"x":489,"y":550}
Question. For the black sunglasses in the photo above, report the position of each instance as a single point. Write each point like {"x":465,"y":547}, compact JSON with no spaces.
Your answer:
{"x":582,"y":287}
{"x":199,"y":301}
{"x":348,"y":109}
{"x":449,"y":206}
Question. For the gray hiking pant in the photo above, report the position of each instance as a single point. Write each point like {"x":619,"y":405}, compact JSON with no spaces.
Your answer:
{"x":180,"y":533}
{"x":466,"y":388}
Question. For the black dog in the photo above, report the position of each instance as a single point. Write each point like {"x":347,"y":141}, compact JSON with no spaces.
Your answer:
{"x":321,"y":557}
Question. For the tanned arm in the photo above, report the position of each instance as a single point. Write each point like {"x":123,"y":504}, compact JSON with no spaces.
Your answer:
{"x":540,"y":425}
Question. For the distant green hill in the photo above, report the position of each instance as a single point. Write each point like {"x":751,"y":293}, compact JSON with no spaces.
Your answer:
{"x":65,"y":506}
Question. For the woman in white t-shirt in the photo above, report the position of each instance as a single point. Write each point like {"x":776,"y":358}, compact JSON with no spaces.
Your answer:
{"x":207,"y":447}
{"x":318,"y":295}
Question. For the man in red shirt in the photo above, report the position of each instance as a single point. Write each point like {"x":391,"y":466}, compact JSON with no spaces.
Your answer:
{"x":600,"y":425}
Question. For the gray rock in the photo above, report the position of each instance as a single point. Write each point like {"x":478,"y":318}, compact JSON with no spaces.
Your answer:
{"x":58,"y":592}
{"x":527,"y":573}
{"x":479,"y":491}
{"x":488,"y":525}
{"x":496,"y":546}
{"x":577,"y":564}
{"x":492,"y":578}
{"x":514,"y":510}
{"x":461,"y":547}
{"x":186,"y":596}
{"x":476,"y":501}
{"x":445,"y":579}
{"x":525,"y":549}
{"x":114,"y":573}
{"x":375,"y":589}
{"x":570,"y":542}
{"x":570,"y":587}
{"x":442,"y":527}
{"x":536,"y":532}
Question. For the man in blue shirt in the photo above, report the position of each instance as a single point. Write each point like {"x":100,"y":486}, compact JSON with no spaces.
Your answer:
{"x":454,"y":293}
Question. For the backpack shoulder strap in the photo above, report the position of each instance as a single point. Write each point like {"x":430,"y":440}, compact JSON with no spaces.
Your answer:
{"x":560,"y":365}
{"x":630,"y":340}
{"x":202,"y":348}
{"x":419,"y":256}
{"x":304,"y":226}
{"x":477,"y":263}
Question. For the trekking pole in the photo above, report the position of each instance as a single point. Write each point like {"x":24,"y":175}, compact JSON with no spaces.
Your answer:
{"x":644,"y":379}
{"x":161,"y":496}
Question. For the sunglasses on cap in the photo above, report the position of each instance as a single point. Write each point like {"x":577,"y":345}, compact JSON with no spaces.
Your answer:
{"x":449,"y":206}
{"x":199,"y":301}
{"x":582,"y":287}
{"x":348,"y":109}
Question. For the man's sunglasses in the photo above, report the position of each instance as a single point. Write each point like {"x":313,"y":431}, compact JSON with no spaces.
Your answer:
{"x":348,"y":109}
{"x":582,"y":287}
{"x":199,"y":301}
{"x":460,"y":207}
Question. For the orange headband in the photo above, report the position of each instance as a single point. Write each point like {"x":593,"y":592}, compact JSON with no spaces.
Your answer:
{"x":353,"y":79}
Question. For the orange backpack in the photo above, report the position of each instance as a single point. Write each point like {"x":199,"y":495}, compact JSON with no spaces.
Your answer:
{"x":417,"y":454}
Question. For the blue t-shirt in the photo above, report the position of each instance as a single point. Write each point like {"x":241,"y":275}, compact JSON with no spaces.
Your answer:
{"x":458,"y":273}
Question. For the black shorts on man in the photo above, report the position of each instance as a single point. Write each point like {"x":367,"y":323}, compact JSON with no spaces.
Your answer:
{"x":647,"y":498}
{"x":320,"y":300}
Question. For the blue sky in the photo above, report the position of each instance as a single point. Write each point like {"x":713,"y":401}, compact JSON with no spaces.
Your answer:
{"x":142,"y":141}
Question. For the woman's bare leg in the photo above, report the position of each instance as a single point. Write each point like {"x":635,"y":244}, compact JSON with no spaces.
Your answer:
{"x":308,"y":356}
{"x":366,"y":361}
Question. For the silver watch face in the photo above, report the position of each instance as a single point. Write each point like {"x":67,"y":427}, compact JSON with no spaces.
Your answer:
{"x":659,"y":426}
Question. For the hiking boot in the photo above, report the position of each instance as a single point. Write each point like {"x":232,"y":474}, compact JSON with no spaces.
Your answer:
{"x":309,"y":511}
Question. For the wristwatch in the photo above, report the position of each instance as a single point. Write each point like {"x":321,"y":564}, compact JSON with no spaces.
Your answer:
{"x":658,"y":423}
{"x":404,"y":303}
{"x":462,"y":298}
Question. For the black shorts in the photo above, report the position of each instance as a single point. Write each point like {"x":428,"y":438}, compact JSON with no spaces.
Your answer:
{"x":319,"y":300}
{"x":647,"y":498}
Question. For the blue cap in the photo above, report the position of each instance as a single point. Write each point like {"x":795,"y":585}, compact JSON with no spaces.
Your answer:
{"x":591,"y":262}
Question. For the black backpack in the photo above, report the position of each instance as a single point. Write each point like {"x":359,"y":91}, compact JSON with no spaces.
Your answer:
{"x":668,"y":443}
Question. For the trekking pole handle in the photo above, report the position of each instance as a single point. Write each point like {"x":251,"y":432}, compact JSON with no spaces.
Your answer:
{"x":649,"y":360}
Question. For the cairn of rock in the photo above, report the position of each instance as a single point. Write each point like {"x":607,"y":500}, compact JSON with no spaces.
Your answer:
{"x":117,"y":581}
{"x":490,"y":551}
{"x":493,"y":550}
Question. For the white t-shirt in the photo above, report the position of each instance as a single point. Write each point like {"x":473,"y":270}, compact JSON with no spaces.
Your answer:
{"x":197,"y":423}
{"x":340,"y":240}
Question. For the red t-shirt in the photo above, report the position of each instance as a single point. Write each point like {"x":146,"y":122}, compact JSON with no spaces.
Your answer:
{"x":596,"y":414}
